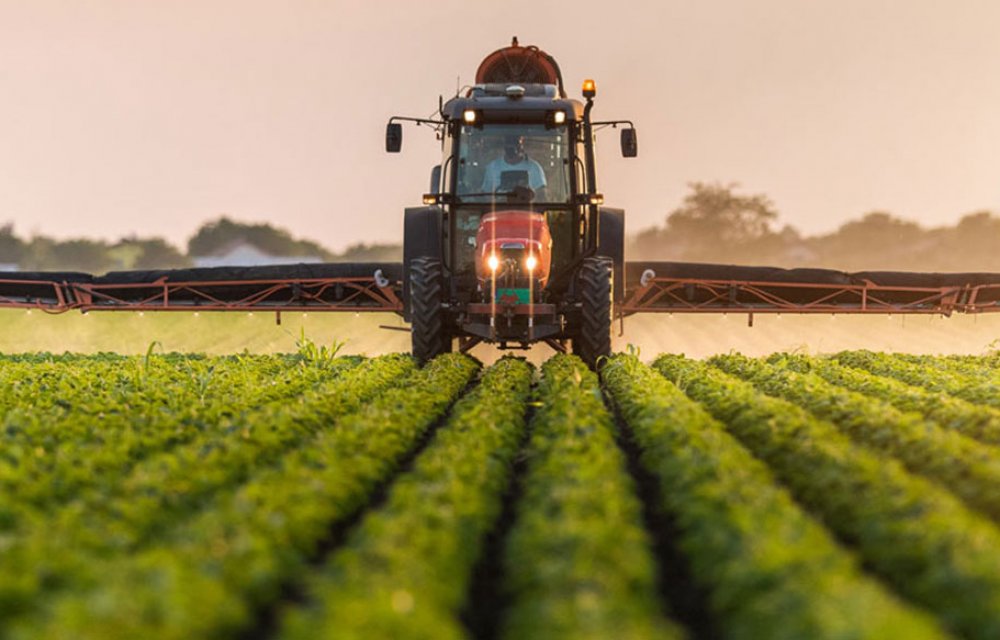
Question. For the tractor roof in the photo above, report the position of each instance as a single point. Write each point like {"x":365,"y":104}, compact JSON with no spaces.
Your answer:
{"x":512,"y":102}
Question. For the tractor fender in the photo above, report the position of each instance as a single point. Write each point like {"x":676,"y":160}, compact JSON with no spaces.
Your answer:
{"x":611,"y":243}
{"x":422,"y":238}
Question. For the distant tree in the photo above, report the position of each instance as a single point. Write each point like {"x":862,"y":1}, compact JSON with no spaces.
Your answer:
{"x":45,"y":254}
{"x":971,"y":245}
{"x":978,"y":232}
{"x":124,"y":254}
{"x":713,"y":213}
{"x":879,"y":240}
{"x":82,"y":254}
{"x":37,"y":252}
{"x":876,"y":229}
{"x":714,"y":223}
{"x":371,"y":253}
{"x":11,"y":247}
{"x":216,"y":236}
{"x":149,"y":253}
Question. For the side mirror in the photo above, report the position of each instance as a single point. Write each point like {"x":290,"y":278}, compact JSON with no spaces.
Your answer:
{"x":630,"y":146}
{"x":436,"y":179}
{"x":394,"y":137}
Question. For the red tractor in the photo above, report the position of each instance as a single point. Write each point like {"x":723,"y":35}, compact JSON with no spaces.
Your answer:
{"x":513,"y":246}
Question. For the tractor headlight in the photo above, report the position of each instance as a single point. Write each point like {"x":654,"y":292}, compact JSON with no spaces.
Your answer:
{"x":493,"y":262}
{"x":555,"y":119}
{"x":531,"y":262}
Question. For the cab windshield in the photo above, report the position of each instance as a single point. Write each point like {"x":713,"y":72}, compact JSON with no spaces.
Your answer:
{"x":504,"y":159}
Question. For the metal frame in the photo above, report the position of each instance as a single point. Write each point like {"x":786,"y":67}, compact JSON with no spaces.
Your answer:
{"x":362,"y":294}
{"x":371,"y":294}
{"x":58,"y":302}
{"x":687,"y":295}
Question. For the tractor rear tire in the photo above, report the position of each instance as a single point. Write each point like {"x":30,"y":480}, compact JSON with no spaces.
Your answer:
{"x":427,"y":323}
{"x":595,"y":285}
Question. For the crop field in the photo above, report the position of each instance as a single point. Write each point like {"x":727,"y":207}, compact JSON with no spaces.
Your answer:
{"x":317,"y":495}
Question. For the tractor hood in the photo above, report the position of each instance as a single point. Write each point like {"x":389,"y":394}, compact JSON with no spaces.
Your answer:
{"x":514,"y":239}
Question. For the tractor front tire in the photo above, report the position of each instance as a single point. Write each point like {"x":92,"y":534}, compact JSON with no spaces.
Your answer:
{"x":427,"y":322}
{"x":595,"y":285}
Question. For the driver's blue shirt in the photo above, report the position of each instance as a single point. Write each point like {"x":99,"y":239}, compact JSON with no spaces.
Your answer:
{"x":495,"y":169}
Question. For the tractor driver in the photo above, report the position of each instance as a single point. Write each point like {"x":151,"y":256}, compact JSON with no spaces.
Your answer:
{"x":514,"y":162}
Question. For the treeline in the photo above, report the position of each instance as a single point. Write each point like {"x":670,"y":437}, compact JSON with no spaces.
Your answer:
{"x":716,"y":224}
{"x":42,"y":253}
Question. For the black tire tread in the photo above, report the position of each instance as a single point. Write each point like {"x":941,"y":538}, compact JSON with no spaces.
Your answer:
{"x":595,"y":287}
{"x":428,"y":332}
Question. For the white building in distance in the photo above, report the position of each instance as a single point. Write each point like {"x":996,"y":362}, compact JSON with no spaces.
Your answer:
{"x":244,"y":254}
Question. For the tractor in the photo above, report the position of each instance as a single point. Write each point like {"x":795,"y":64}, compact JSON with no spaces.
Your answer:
{"x":512,"y":245}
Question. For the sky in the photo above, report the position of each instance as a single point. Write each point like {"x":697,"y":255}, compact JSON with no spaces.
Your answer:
{"x":121,"y":117}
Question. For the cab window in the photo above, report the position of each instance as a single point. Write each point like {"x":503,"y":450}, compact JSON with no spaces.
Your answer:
{"x":495,"y":159}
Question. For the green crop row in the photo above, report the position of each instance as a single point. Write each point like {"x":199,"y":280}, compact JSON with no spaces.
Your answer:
{"x":91,"y":440}
{"x":68,"y":357}
{"x":92,"y":387}
{"x":977,"y":367}
{"x":990,"y":360}
{"x":54,"y":390}
{"x":967,"y":387}
{"x":970,"y":469}
{"x":578,"y":562}
{"x":51,"y":455}
{"x":56,"y":549}
{"x":205,"y":577}
{"x":405,"y":570}
{"x":975,"y":421}
{"x":917,"y":536}
{"x":770,"y":570}
{"x":144,"y":460}
{"x":43,"y":383}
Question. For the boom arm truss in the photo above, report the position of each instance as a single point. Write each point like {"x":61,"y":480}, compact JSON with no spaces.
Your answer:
{"x":651,"y":287}
{"x":230,"y":290}
{"x":694,"y":288}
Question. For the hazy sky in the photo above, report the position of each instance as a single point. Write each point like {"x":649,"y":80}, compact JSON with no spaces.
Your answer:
{"x":131,"y":116}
